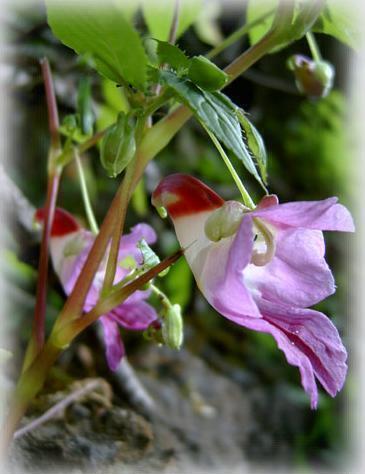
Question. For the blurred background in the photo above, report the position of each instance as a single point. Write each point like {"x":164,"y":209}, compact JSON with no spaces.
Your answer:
{"x":229,"y":396}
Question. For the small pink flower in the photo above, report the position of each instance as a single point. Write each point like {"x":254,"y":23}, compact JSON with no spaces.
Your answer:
{"x":263,"y":268}
{"x":70,"y":246}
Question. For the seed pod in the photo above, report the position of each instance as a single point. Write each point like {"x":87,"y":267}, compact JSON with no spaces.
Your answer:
{"x":206,"y":74}
{"x":118,"y":146}
{"x":313,"y":78}
{"x":172,"y":329}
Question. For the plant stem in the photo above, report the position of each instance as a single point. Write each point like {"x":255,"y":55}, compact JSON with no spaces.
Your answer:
{"x":236,"y":35}
{"x":62,"y":336}
{"x":85,"y":195}
{"x":174,"y":23}
{"x":53,"y":119}
{"x":118,"y":227}
{"x":244,"y":193}
{"x":54,"y":172}
{"x":313,"y":46}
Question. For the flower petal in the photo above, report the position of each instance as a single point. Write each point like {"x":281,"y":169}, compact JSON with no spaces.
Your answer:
{"x":136,"y":316}
{"x":316,"y":337}
{"x":321,"y":215}
{"x":222,"y":277}
{"x":128,"y":242}
{"x":298,"y":274}
{"x":113,"y":343}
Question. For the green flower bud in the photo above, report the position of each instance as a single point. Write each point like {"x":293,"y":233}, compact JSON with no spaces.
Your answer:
{"x":313,"y":78}
{"x":225,"y":221}
{"x":172,"y":329}
{"x":206,"y":74}
{"x":118,"y":146}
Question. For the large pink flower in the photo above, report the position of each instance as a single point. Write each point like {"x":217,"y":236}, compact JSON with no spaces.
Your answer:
{"x":70,"y":246}
{"x":263,"y":268}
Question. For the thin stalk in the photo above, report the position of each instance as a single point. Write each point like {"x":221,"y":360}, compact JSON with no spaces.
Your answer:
{"x":85,"y":195}
{"x":53,"y":120}
{"x":236,"y":35}
{"x":244,"y":193}
{"x":64,"y":335}
{"x":174,"y":22}
{"x":118,"y":227}
{"x":313,"y":46}
{"x":38,"y":326}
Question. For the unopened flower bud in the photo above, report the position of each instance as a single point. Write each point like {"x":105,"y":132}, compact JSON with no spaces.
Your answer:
{"x":313,"y":78}
{"x":206,"y":74}
{"x":172,"y":329}
{"x":118,"y":146}
{"x":225,"y":221}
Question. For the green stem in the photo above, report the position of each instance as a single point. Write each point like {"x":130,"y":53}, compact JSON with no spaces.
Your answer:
{"x":85,"y":195}
{"x":118,"y":227}
{"x":313,"y":46}
{"x":63,"y":336}
{"x":244,"y":193}
{"x":161,"y":295}
{"x":236,"y":35}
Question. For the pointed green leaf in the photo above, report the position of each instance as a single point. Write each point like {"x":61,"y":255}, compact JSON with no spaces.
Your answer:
{"x":102,"y":31}
{"x":217,"y":112}
{"x":172,"y":55}
{"x":254,"y":143}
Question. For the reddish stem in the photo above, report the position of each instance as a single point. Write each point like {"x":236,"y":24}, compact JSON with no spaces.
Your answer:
{"x":38,"y":327}
{"x":53,"y":119}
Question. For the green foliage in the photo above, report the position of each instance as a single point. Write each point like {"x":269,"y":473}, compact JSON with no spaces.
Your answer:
{"x":254,"y":11}
{"x":255,"y":143}
{"x":118,"y":145}
{"x":172,"y":55}
{"x":102,"y":31}
{"x":158,"y":15}
{"x":207,"y":25}
{"x":217,"y":113}
{"x":206,"y":74}
{"x":338,"y":20}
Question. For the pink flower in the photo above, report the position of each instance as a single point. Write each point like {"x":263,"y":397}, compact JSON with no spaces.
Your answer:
{"x":262,"y":269}
{"x":70,"y":246}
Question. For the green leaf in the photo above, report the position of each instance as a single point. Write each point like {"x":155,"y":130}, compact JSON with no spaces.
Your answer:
{"x":256,"y":9}
{"x":102,"y":31}
{"x":158,"y":15}
{"x":172,"y":55}
{"x":254,"y":143}
{"x":217,"y":112}
{"x":339,"y":21}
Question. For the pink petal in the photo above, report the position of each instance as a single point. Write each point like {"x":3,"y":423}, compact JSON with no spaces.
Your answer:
{"x":128,"y":242}
{"x":222,"y":280}
{"x":136,"y":316}
{"x":298,"y":274}
{"x":321,"y":215}
{"x":113,"y":343}
{"x":315,"y":335}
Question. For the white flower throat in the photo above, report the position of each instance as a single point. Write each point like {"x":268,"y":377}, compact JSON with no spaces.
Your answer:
{"x":225,"y":221}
